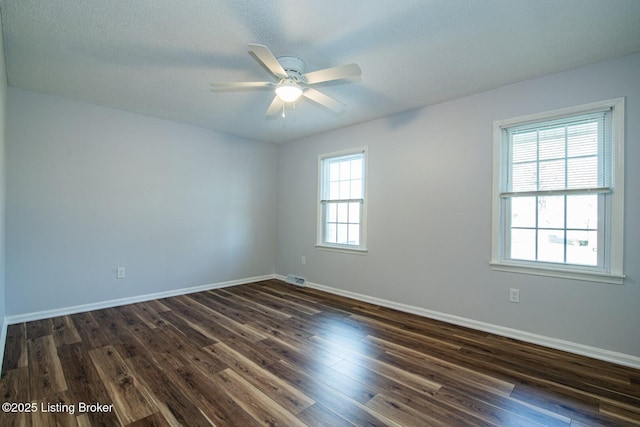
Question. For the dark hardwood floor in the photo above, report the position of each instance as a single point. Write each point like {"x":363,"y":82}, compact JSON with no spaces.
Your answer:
{"x":273,"y":354}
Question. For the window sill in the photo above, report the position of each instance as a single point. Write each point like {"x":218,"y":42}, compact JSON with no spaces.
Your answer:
{"x":563,"y":273}
{"x":344,"y":249}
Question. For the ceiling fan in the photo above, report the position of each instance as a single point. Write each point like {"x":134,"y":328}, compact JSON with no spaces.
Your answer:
{"x":292,"y":81}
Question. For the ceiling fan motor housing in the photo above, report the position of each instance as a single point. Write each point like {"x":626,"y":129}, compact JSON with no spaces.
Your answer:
{"x":295,"y":67}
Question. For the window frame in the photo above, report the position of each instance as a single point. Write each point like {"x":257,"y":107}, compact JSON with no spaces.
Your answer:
{"x":612,"y":269}
{"x":321,"y":243}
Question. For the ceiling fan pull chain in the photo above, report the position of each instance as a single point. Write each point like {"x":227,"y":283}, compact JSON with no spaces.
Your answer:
{"x":283,"y":105}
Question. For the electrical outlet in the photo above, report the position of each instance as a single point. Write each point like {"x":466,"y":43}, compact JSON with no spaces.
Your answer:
{"x":120,"y":273}
{"x":514,"y":295}
{"x":303,"y":260}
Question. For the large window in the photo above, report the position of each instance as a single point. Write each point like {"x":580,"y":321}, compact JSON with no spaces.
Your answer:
{"x":342,"y":204}
{"x":558,"y":193}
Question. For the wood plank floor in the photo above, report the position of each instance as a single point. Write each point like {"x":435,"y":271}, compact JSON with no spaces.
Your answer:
{"x":272,"y":354}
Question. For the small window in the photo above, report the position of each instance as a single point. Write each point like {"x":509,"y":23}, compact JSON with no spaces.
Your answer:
{"x":342,"y":203}
{"x":558,"y":193}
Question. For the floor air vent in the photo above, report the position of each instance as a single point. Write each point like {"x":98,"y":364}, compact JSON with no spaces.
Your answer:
{"x":296,"y":280}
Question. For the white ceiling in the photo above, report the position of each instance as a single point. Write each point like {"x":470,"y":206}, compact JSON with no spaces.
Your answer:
{"x":157,"y":57}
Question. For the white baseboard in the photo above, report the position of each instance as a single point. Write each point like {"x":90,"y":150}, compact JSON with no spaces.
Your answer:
{"x":64,"y":311}
{"x":571,"y":347}
{"x":558,"y":344}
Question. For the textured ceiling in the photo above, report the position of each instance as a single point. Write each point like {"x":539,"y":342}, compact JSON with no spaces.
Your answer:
{"x":157,"y":57}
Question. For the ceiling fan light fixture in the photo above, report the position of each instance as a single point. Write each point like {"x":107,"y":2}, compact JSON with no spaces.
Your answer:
{"x":288,"y":92}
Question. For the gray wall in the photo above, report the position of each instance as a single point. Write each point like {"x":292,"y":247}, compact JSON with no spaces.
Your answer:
{"x":3,"y":103}
{"x":90,"y":189}
{"x":429,"y":233}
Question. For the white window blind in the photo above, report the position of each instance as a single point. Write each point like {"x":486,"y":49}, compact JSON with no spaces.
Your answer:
{"x":565,"y":155}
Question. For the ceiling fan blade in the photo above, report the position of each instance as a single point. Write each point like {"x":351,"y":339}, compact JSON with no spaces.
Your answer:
{"x":239,"y":85}
{"x":275,"y":107}
{"x":334,"y":73}
{"x":324,"y":100}
{"x":264,"y":55}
